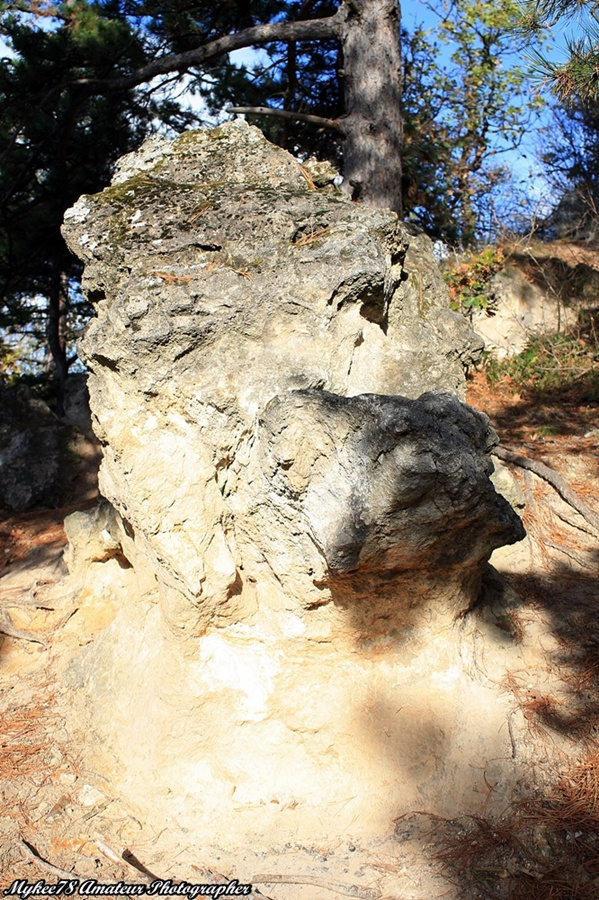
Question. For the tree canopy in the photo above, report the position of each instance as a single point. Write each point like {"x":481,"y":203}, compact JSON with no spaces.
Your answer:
{"x":466,"y":103}
{"x":87,"y":80}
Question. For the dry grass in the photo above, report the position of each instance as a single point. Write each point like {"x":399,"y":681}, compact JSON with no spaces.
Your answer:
{"x":576,"y":801}
{"x":544,"y":847}
{"x":26,"y":738}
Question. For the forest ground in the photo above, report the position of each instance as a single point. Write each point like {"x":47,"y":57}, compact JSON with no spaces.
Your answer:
{"x":55,"y":821}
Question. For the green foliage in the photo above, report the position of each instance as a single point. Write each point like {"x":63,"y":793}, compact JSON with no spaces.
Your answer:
{"x":469,"y":282}
{"x":11,"y":360}
{"x":575,"y":79}
{"x":465,"y":103}
{"x":185,"y":24}
{"x":554,"y":362}
{"x":299,"y":77}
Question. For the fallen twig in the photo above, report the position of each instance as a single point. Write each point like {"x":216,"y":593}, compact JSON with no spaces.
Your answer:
{"x":311,"y":238}
{"x":350,"y":890}
{"x":7,"y":628}
{"x":308,"y":178}
{"x":107,"y":851}
{"x":173,"y":279}
{"x":554,"y":479}
{"x":132,"y":860}
{"x":510,"y":729}
{"x":54,"y":870}
{"x":126,"y":856}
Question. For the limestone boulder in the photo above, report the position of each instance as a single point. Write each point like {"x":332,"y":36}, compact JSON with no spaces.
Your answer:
{"x":379,"y":491}
{"x":223,"y":279}
{"x":299,"y":496}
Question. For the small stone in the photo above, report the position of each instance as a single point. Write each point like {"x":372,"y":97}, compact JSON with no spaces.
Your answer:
{"x":67,"y":778}
{"x":89,"y":796}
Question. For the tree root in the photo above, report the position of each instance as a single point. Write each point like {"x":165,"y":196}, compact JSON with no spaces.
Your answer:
{"x":554,"y":479}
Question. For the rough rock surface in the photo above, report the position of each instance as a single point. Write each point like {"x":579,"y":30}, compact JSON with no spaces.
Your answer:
{"x":283,"y":490}
{"x":545,"y":288}
{"x":523,"y":310}
{"x":31,"y":446}
{"x":223,"y":280}
{"x":37,"y":459}
{"x":387,"y":490}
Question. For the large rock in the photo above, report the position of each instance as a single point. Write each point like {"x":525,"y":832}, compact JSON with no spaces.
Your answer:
{"x":383,"y":494}
{"x":256,"y":371}
{"x":222,"y":280}
{"x":39,"y":453}
{"x":32,"y":451}
{"x":547,"y":287}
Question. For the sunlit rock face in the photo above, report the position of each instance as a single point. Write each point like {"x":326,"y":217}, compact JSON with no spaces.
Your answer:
{"x":256,"y":369}
{"x":222,"y":280}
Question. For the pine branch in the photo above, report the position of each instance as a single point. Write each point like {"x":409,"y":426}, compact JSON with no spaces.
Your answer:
{"x":287,"y":114}
{"x":309,"y":30}
{"x":578,"y":75}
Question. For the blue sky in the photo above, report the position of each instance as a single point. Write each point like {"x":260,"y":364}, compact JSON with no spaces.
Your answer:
{"x":524,"y":161}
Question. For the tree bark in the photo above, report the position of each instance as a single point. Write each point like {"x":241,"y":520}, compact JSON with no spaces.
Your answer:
{"x":372,"y":123}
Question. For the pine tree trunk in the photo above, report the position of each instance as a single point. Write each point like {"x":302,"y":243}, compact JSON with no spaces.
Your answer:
{"x":56,"y":336}
{"x":373,"y":123}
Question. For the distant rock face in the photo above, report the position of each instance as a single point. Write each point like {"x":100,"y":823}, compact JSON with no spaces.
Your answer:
{"x":574,"y":218}
{"x":258,"y":348}
{"x":43,"y":459}
{"x":32,"y":452}
{"x":546,"y":288}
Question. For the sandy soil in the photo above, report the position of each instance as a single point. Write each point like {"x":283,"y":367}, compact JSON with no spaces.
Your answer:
{"x":58,"y":820}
